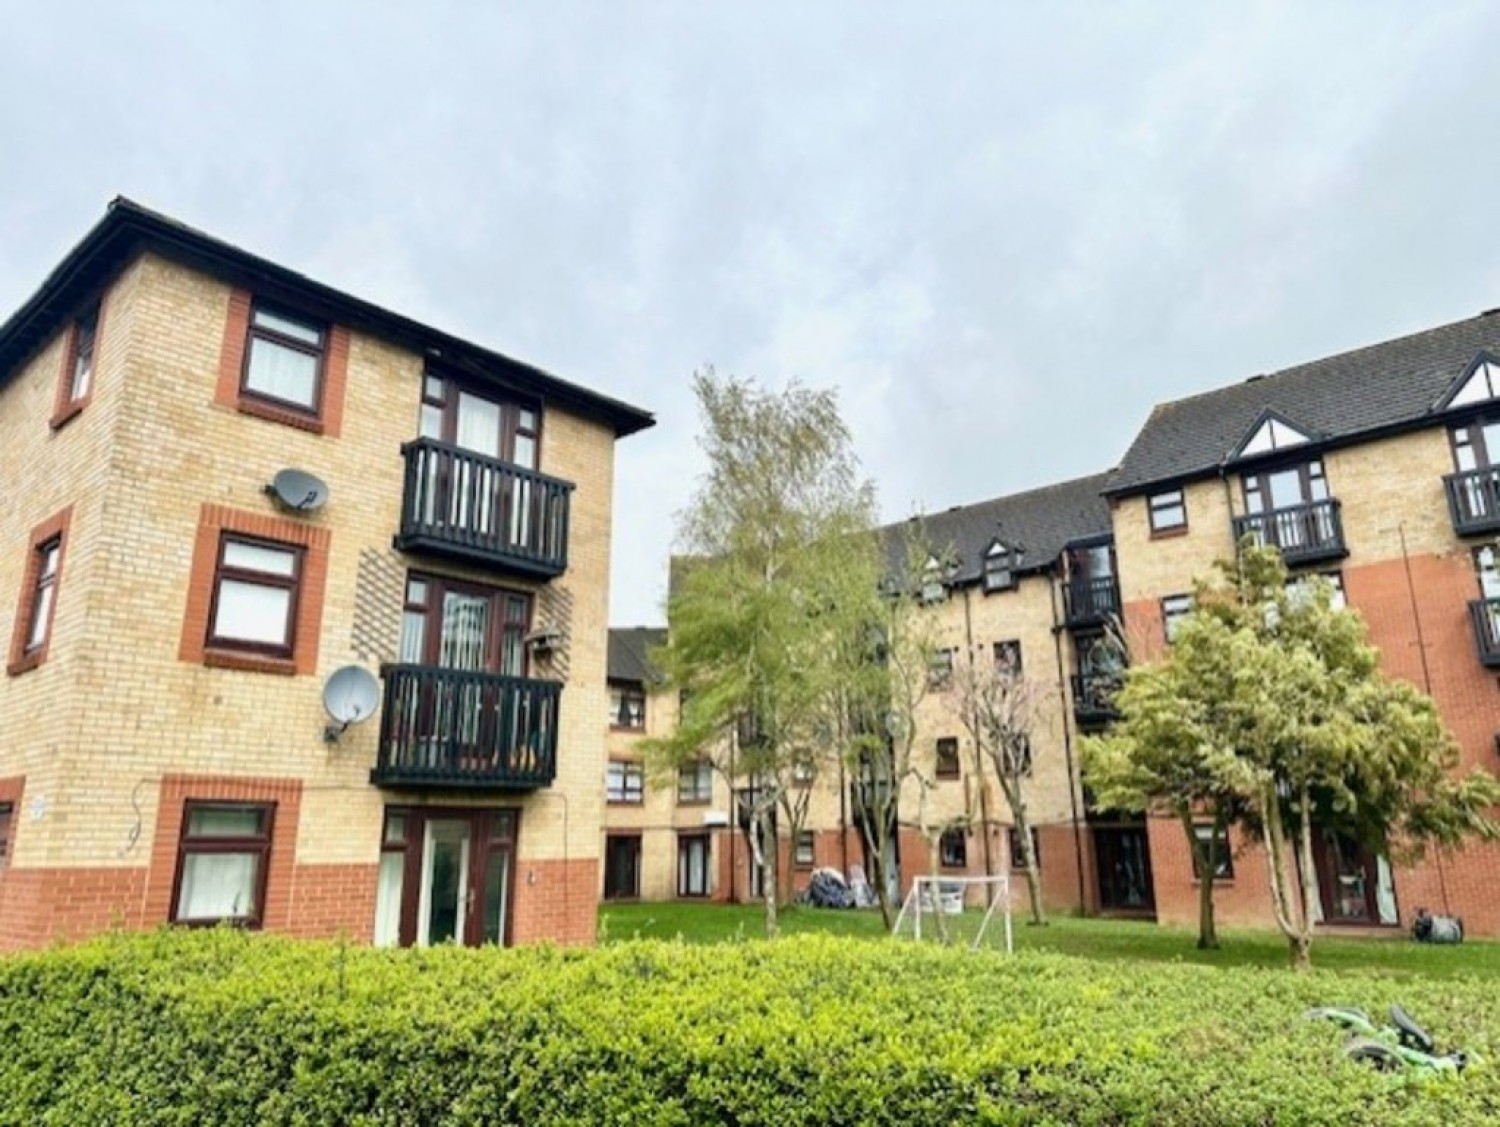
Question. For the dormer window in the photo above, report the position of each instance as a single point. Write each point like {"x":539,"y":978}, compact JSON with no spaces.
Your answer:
{"x":934,"y":587}
{"x":1480,"y":383}
{"x":998,"y":575}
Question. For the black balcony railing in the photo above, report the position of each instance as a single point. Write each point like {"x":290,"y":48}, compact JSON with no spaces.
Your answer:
{"x":1094,"y":698}
{"x":1088,"y":602}
{"x":1304,"y":533}
{"x":1474,"y":501}
{"x":1485,"y":615}
{"x":454,"y":728}
{"x":482,"y":510}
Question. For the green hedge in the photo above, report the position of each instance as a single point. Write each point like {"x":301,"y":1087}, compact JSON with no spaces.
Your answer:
{"x":224,"y":1028}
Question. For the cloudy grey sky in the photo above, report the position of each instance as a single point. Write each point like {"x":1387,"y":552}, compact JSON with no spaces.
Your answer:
{"x":1002,"y":232}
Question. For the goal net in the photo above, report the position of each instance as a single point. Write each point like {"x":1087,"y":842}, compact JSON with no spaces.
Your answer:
{"x":973,"y":911}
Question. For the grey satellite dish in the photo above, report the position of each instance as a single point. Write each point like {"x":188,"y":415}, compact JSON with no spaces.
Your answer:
{"x":351,"y":695}
{"x":299,"y":490}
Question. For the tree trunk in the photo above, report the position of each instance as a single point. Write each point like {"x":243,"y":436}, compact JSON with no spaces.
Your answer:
{"x":765,"y":862}
{"x":1207,"y":861}
{"x":934,"y":867}
{"x":1302,"y":951}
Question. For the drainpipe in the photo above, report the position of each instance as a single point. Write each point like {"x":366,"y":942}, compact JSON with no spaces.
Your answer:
{"x":984,"y":794}
{"x":1067,"y":728}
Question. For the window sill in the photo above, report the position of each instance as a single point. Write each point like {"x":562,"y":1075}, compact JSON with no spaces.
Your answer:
{"x":26,"y":663}
{"x":628,"y":728}
{"x":948,"y":776}
{"x":250,"y":663}
{"x":287,"y":416}
{"x":625,"y":802}
{"x":1169,"y":533}
{"x":67,"y":414}
{"x":694,"y":801}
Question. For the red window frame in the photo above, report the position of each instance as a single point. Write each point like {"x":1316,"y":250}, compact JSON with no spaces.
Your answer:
{"x":291,"y":583}
{"x":260,"y":845}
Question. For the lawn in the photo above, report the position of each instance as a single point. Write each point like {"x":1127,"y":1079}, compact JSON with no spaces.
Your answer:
{"x":1128,"y":940}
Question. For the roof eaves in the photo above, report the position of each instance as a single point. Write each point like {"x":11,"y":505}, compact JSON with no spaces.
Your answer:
{"x":128,"y":227}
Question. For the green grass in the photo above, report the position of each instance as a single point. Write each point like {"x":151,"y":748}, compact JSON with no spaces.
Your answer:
{"x":1118,"y":940}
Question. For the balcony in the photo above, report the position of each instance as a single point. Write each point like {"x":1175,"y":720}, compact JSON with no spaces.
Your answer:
{"x":1474,"y":501}
{"x":1093,"y":699}
{"x":481,"y":510}
{"x":450,"y":728}
{"x":1485,"y":615}
{"x":1305,"y":533}
{"x":1091,"y":602}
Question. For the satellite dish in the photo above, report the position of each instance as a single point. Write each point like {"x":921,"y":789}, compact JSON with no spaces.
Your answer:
{"x":299,"y":490}
{"x":351,"y":695}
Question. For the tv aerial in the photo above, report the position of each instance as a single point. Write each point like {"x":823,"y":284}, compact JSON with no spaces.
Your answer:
{"x":351,"y":695}
{"x":298,"y":490}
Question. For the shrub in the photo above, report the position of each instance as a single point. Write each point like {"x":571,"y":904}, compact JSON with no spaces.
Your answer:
{"x":227,"y":1028}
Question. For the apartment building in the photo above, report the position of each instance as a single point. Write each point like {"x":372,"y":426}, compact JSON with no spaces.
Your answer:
{"x":1379,"y":468}
{"x":1027,"y":580}
{"x":307,"y":610}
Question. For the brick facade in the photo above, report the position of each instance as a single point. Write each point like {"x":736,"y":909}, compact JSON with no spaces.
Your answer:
{"x":129,"y":715}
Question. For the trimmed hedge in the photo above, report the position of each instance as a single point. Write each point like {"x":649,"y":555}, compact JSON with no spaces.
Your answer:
{"x":225,"y":1028}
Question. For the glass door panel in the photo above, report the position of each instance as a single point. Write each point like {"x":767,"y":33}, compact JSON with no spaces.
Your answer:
{"x":464,"y":643}
{"x":443,"y":915}
{"x":495,"y":908}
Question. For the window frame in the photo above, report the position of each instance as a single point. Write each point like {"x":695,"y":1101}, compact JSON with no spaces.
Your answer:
{"x":261,"y":845}
{"x":51,"y":534}
{"x":805,"y":850}
{"x":1159,"y":503}
{"x":701,"y":792}
{"x":82,"y":345}
{"x":997,"y":573}
{"x":626,"y":693}
{"x":941,"y":767}
{"x":632,"y":782}
{"x":273,"y":337}
{"x":1013,"y":840}
{"x":940,"y":667}
{"x":7,"y":828}
{"x":1225,"y":857}
{"x":684,"y":842}
{"x":1008,"y":656}
{"x":293,"y":584}
{"x":953,"y":849}
{"x":1170,"y":619}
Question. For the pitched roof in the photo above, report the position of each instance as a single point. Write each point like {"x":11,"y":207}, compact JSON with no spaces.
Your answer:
{"x":128,"y":228}
{"x":628,"y":650}
{"x":1378,"y":389}
{"x":1042,"y":521}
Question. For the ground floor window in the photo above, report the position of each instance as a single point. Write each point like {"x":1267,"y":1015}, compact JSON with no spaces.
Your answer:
{"x":5,"y":812}
{"x":1013,"y":844}
{"x":692,"y":865}
{"x":1223,"y":862}
{"x":806,"y":848}
{"x":953,"y":849}
{"x":622,"y":867}
{"x":222,"y":861}
{"x":445,"y":876}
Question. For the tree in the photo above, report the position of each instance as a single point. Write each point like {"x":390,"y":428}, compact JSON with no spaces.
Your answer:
{"x":1271,"y":703}
{"x":1154,"y":757}
{"x":780,"y":522}
{"x":1001,"y":709}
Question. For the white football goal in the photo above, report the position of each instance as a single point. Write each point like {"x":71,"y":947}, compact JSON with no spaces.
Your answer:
{"x":954,"y":910}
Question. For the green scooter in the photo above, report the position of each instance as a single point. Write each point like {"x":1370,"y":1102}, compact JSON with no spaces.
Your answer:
{"x":1403,"y":1045}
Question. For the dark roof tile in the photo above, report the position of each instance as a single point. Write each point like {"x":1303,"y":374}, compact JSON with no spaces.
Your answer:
{"x":1378,"y":388}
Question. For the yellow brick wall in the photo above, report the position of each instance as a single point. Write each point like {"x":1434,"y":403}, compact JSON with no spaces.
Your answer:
{"x":46,"y":711}
{"x":1385,"y":488}
{"x":660,"y":818}
{"x":142,"y":712}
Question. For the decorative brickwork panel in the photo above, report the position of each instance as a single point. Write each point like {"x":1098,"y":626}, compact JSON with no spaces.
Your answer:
{"x":379,"y":588}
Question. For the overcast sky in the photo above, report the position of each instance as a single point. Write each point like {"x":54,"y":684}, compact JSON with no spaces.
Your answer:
{"x":1002,"y":232}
